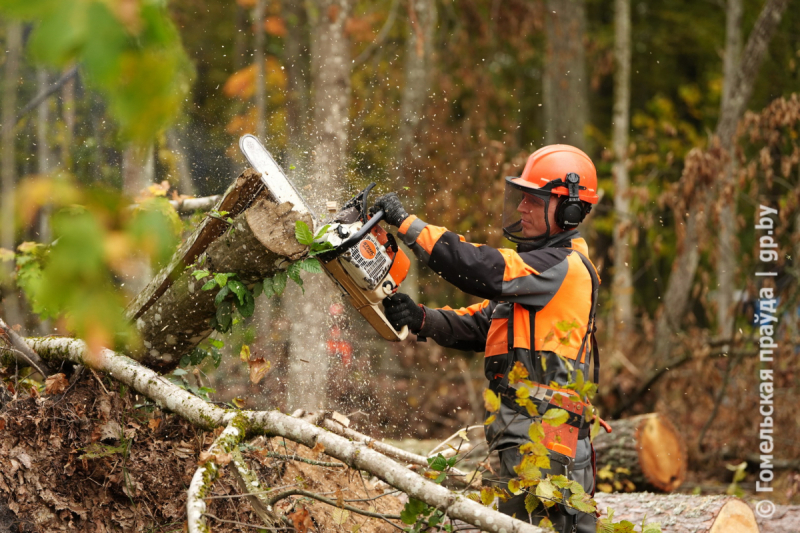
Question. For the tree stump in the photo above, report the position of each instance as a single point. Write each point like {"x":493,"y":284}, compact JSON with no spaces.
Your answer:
{"x":681,"y":513}
{"x":649,"y":447}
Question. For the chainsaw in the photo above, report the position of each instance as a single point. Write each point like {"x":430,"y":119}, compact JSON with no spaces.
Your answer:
{"x":364,"y":260}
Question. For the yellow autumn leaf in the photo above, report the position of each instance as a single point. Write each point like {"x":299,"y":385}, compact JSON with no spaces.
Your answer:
{"x":555,"y":417}
{"x":536,"y":432}
{"x":513,"y":486}
{"x":489,"y":420}
{"x":491,"y":401}
{"x":244,"y":353}
{"x":518,"y":373}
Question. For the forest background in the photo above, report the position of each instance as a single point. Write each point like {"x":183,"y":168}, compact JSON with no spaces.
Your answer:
{"x":438,"y":101}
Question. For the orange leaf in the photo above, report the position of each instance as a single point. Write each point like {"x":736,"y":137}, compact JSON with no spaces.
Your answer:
{"x":153,"y":423}
{"x":55,"y":384}
{"x":275,"y":26}
{"x":259,"y":368}
{"x":301,"y":520}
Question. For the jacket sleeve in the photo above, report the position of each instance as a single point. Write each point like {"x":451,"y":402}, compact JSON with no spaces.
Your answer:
{"x":463,"y":329}
{"x":530,"y":278}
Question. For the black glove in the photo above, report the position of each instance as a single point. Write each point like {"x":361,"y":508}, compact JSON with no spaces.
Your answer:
{"x":401,"y":311}
{"x":393,"y":212}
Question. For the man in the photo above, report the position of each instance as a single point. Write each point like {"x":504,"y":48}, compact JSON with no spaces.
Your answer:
{"x":539,"y":308}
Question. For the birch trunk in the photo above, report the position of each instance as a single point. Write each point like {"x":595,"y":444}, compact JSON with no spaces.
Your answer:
{"x":685,"y":265}
{"x":565,"y":91}
{"x":13,"y":47}
{"x":330,"y":64}
{"x":43,"y":152}
{"x":622,"y":284}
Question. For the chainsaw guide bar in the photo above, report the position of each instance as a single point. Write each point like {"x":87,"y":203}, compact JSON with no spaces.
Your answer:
{"x":364,"y":262}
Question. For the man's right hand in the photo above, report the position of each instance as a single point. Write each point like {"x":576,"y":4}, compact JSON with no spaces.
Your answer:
{"x":401,"y":311}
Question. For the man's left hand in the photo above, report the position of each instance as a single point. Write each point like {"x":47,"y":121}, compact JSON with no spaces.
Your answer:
{"x":393,"y":212}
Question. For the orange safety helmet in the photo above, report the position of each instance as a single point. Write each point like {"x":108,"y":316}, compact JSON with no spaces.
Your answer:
{"x":560,"y":170}
{"x":554,"y":162}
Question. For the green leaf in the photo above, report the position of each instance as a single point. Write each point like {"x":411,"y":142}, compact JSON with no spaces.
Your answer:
{"x":224,"y":317}
{"x":531,"y":503}
{"x":438,"y":463}
{"x":555,"y":417}
{"x":279,"y":282}
{"x":238,"y":289}
{"x":216,"y":343}
{"x":258,"y":288}
{"x":311,"y":265}
{"x":303,"y":233}
{"x":318,"y":248}
{"x":222,"y":279}
{"x":322,"y":231}
{"x":248,"y":307}
{"x":412,"y":510}
{"x":200,"y":274}
{"x":267,"y":287}
{"x":583,"y":502}
{"x":223,"y":292}
{"x":441,"y":477}
{"x":548,"y":492}
{"x":294,"y":274}
{"x":210,"y":284}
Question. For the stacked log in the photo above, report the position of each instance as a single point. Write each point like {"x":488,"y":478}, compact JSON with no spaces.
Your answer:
{"x":681,"y":513}
{"x":648,"y":447}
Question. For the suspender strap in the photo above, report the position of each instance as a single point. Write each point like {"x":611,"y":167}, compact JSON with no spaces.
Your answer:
{"x":591,"y":326}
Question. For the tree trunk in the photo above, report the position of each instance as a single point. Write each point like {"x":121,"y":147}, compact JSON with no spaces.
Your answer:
{"x":330,"y":63}
{"x":138,"y":169}
{"x":726,"y":248}
{"x":185,"y":182}
{"x":418,"y":63}
{"x":684,"y":267}
{"x":682,"y":513}
{"x":43,"y":152}
{"x":649,"y":447}
{"x":297,"y":63}
{"x":565,"y":91}
{"x":172,"y":314}
{"x":68,"y":114}
{"x":13,"y":46}
{"x":622,"y":285}
{"x":258,"y":55}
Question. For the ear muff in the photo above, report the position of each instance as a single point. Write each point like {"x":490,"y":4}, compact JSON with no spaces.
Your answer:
{"x":570,"y":211}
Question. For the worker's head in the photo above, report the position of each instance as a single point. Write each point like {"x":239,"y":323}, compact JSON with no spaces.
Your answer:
{"x":555,"y":193}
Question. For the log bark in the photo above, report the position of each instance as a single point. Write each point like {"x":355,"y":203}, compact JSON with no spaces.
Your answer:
{"x":682,"y":513}
{"x":648,"y":446}
{"x":172,"y":314}
{"x":785,"y":518}
{"x":14,"y":350}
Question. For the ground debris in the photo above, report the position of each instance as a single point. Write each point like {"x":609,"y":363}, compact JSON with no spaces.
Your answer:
{"x":93,"y":461}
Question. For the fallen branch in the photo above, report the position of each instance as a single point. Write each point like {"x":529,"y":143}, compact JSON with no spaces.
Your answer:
{"x":20,"y":352}
{"x":300,"y":492}
{"x":243,"y":424}
{"x":188,"y":206}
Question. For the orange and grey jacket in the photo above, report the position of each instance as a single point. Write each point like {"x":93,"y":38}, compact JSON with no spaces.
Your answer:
{"x":538,"y":308}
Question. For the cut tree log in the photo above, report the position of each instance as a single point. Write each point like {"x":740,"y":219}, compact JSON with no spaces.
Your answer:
{"x":682,"y":513}
{"x":172,"y":314}
{"x":649,"y":447}
{"x":785,"y":518}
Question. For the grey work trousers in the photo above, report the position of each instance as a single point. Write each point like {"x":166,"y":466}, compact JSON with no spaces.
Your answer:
{"x":563,"y":522}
